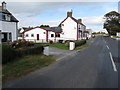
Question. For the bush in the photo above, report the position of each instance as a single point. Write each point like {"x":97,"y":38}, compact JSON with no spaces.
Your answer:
{"x":10,"y":54}
{"x":20,"y":43}
{"x":67,"y":42}
{"x":79,"y":43}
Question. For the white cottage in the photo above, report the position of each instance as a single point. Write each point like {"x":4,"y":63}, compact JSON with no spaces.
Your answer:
{"x":44,"y":34}
{"x":8,"y":24}
{"x":72,"y":29}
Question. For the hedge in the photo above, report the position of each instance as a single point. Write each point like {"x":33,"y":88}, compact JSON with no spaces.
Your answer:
{"x":79,"y":43}
{"x":10,"y":54}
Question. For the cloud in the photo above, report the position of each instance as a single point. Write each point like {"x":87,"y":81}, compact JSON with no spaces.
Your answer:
{"x":63,"y":0}
{"x":52,"y":13}
{"x":93,"y":20}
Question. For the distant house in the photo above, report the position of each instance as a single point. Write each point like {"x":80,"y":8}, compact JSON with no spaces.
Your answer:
{"x":89,"y":34}
{"x":8,"y":24}
{"x":69,"y":29}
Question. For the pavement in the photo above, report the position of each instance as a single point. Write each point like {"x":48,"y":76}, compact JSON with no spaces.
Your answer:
{"x":93,"y":67}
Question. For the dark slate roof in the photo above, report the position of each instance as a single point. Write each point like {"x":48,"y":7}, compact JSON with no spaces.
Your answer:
{"x":54,"y":29}
{"x":25,"y":29}
{"x":13,"y":19}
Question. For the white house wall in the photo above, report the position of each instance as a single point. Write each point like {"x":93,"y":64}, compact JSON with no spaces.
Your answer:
{"x":10,"y":27}
{"x":69,"y":29}
{"x":41,"y":32}
{"x":49,"y":36}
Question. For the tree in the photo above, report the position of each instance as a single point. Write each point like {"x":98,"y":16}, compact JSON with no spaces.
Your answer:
{"x":44,"y":26}
{"x":112,"y":22}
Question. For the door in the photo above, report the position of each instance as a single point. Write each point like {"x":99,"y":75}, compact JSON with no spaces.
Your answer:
{"x":38,"y":37}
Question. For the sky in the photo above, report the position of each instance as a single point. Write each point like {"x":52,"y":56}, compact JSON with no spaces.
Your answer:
{"x":52,"y":13}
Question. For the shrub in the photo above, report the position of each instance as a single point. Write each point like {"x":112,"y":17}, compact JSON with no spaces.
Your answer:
{"x":79,"y":43}
{"x":20,"y":43}
{"x":50,"y":41}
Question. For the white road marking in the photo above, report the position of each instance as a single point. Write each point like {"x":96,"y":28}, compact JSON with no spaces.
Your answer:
{"x":114,"y":67}
{"x":107,"y":46}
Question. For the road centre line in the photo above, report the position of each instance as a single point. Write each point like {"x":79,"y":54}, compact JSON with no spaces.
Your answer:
{"x":114,"y":67}
{"x":107,"y":46}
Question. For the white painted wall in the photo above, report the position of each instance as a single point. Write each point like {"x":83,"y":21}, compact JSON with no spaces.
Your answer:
{"x":69,"y":29}
{"x":9,"y":27}
{"x":40,"y":31}
{"x":49,"y":36}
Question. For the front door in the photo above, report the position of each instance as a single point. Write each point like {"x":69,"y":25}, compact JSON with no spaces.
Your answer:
{"x":37,"y":36}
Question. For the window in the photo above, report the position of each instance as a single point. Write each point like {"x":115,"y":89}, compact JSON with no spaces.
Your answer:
{"x":43,"y":32}
{"x":10,"y":36}
{"x":0,"y":16}
{"x":52,"y":35}
{"x":8,"y":17}
{"x":57,"y":35}
{"x":32,"y":35}
{"x":26,"y":35}
{"x":3,"y":17}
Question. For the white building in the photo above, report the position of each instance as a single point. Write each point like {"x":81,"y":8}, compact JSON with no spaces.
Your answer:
{"x":45,"y":34}
{"x":72,"y":29}
{"x":69,"y":29}
{"x":89,"y":34}
{"x":8,"y":24}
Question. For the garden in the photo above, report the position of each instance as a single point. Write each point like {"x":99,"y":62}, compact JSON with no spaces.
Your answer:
{"x":22,"y":57}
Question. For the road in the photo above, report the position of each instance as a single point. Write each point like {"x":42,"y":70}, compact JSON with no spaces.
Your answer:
{"x":93,"y":67}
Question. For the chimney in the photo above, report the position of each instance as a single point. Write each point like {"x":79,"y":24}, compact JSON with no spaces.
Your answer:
{"x":3,"y":5}
{"x":80,"y":20}
{"x":69,"y":14}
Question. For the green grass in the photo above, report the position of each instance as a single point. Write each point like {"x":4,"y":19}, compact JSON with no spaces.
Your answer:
{"x":115,"y":36}
{"x":83,"y":46}
{"x":56,"y":45}
{"x":62,"y":46}
{"x":24,"y":66}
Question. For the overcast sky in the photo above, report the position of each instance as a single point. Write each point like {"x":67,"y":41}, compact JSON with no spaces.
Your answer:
{"x":52,"y":13}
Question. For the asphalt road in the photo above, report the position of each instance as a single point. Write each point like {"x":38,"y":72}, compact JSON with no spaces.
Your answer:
{"x":93,"y":67}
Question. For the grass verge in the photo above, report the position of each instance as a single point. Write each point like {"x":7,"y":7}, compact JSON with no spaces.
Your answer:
{"x":56,"y":45}
{"x":83,"y":46}
{"x":24,"y":65}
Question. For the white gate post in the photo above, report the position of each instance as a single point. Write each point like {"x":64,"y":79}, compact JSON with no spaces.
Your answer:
{"x":46,"y":50}
{"x":71,"y":46}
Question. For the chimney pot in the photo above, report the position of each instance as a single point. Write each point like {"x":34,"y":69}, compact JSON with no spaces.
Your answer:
{"x":69,"y":14}
{"x":4,"y":5}
{"x":80,"y":20}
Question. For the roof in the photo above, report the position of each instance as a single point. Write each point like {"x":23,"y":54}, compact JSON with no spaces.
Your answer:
{"x":54,"y":29}
{"x":13,"y":19}
{"x":72,"y":19}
